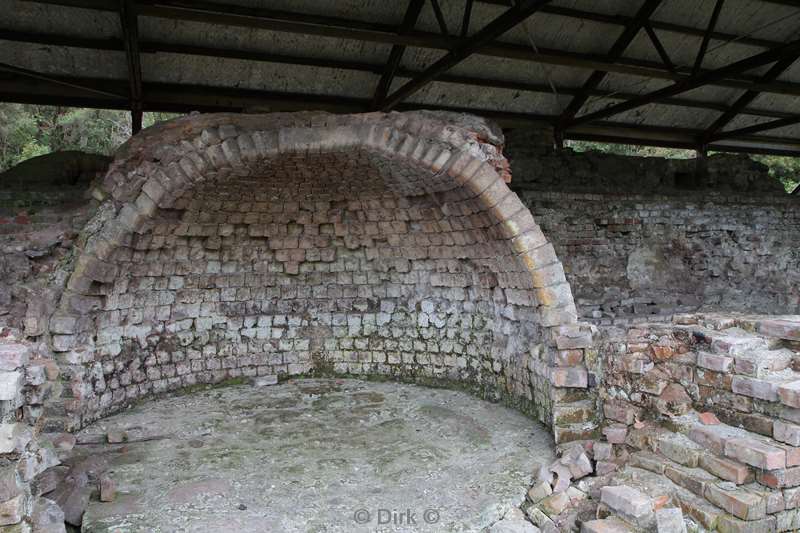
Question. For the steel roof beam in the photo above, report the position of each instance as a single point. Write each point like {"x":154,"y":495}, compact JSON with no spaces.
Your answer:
{"x":632,"y":29}
{"x":225,"y":14}
{"x":747,"y":98}
{"x":790,"y":49}
{"x":749,"y":130}
{"x":468,"y":46}
{"x":712,"y":23}
{"x":152,"y":47}
{"x":186,"y":98}
{"x":396,"y":54}
{"x":130,"y":33}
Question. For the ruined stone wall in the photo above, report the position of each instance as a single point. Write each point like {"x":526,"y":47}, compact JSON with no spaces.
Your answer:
{"x":38,"y":224}
{"x":238,"y":246}
{"x":636,"y":240}
{"x":538,"y":165}
{"x":634,"y":255}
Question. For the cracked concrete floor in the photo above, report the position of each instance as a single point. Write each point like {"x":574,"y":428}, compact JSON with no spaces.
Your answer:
{"x":316,"y":456}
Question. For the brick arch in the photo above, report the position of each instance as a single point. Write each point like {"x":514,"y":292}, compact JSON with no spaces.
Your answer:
{"x":461,"y":174}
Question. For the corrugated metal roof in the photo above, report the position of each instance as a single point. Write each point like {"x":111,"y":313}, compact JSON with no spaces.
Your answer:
{"x":305,"y":52}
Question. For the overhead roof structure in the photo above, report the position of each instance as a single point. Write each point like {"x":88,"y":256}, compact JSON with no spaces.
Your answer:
{"x":703,"y":74}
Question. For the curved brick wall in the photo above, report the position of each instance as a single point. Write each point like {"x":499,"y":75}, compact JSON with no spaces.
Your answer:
{"x":232,"y":246}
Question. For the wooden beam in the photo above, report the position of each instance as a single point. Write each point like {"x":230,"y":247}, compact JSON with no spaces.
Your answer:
{"x":747,"y":98}
{"x":130,"y":33}
{"x":396,"y":54}
{"x":510,"y":18}
{"x":712,"y":23}
{"x":787,"y":50}
{"x":628,"y":35}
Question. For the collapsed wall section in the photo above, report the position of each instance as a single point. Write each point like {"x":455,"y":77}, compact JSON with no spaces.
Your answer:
{"x":235,"y":246}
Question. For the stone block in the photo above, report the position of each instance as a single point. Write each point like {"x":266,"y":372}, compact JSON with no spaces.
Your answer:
{"x":755,"y":388}
{"x":602,"y":451}
{"x":737,"y":501}
{"x":680,"y":449}
{"x":785,"y":432}
{"x":782,"y":329}
{"x":574,"y":377}
{"x":615,"y":433}
{"x":708,"y":419}
{"x":606,"y":525}
{"x":777,"y":479}
{"x":540,"y":491}
{"x":755,"y":453}
{"x":759,"y":363}
{"x":13,"y":356}
{"x":10,"y":385}
{"x":731,"y":524}
{"x":555,"y":504}
{"x":670,"y":520}
{"x":726,"y":469}
{"x":47,"y":517}
{"x":715,"y":362}
{"x":108,"y":488}
{"x":12,"y":511}
{"x":627,"y":501}
{"x":694,"y":480}
{"x":648,"y":461}
{"x":789,"y":394}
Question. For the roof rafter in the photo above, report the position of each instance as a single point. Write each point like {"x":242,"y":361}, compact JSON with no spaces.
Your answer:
{"x":152,"y":47}
{"x":712,"y":23}
{"x":617,"y":49}
{"x":465,"y":20}
{"x":747,"y":98}
{"x":437,"y":11}
{"x":130,"y":33}
{"x":510,"y":18}
{"x":662,"y":52}
{"x":396,"y":54}
{"x":184,"y":98}
{"x":281,"y":21}
{"x":749,"y":130}
{"x":789,"y":49}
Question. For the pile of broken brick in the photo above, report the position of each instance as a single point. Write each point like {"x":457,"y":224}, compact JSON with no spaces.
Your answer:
{"x":724,"y":455}
{"x":565,"y":496}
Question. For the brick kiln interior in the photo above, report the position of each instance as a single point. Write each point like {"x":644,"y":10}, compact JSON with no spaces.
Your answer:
{"x":231,"y":249}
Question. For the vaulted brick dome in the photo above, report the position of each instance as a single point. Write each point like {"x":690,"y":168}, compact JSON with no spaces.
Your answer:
{"x":237,"y":246}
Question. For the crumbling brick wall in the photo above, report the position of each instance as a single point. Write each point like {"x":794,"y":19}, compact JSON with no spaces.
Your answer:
{"x":234,"y":246}
{"x":635,"y":254}
{"x":38,"y":225}
{"x":635,"y":243}
{"x":538,"y":165}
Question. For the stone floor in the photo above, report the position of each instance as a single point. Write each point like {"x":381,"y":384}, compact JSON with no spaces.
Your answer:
{"x":315,"y":456}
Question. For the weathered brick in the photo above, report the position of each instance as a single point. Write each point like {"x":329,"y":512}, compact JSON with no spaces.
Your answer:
{"x":739,"y":502}
{"x":755,"y":453}
{"x":726,"y":469}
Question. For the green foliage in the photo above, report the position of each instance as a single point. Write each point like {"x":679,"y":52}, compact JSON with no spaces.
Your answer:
{"x":786,"y":169}
{"x":630,"y":150}
{"x":30,"y":130}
